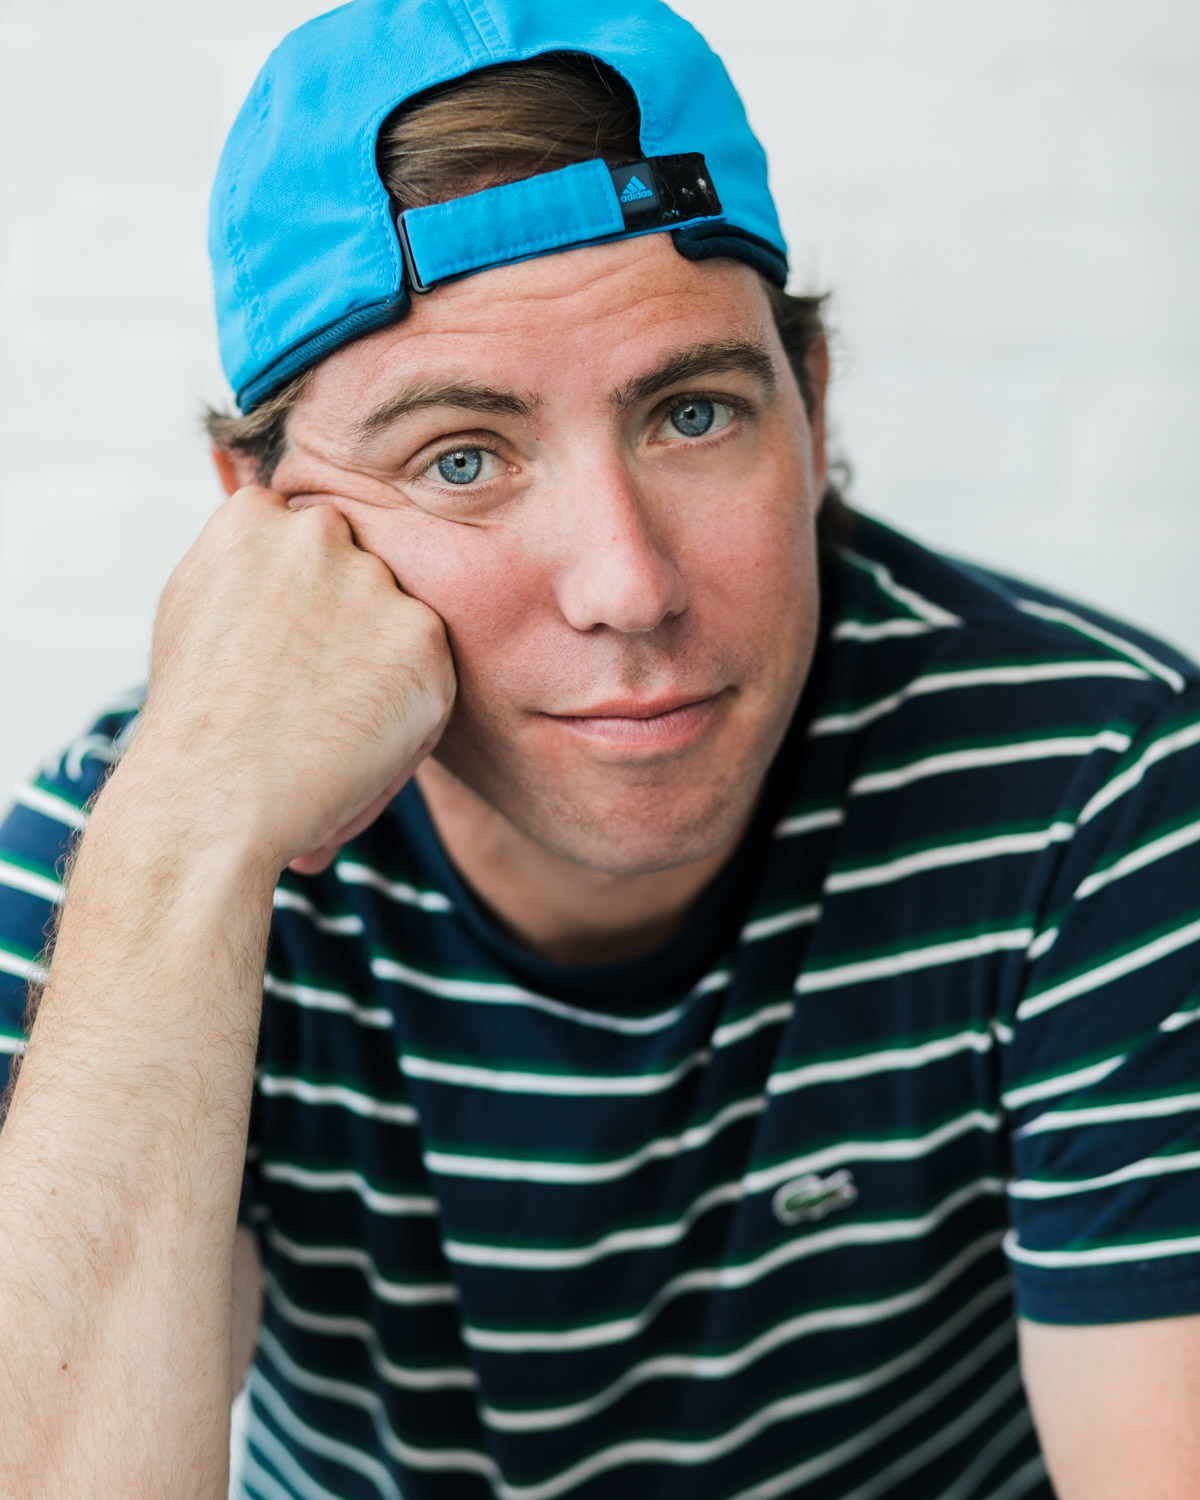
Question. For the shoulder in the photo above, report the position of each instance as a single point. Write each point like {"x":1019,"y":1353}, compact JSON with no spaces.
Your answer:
{"x":36,"y":838}
{"x":939,"y":636}
{"x":880,"y":573}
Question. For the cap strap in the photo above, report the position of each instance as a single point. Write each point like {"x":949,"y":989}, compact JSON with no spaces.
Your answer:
{"x":574,"y":205}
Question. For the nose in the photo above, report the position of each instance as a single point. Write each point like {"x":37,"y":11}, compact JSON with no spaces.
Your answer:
{"x":614,"y":570}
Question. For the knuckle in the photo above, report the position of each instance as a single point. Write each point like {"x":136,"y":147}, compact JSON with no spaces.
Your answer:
{"x":251,"y":502}
{"x":326,"y":521}
{"x":428,"y":636}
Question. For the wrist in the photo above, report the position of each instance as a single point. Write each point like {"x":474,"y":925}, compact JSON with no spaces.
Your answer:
{"x":152,"y":802}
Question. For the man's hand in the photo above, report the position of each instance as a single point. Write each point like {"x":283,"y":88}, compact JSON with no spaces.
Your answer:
{"x":293,"y":688}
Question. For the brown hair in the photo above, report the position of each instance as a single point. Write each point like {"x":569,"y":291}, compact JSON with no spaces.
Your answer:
{"x":503,"y":124}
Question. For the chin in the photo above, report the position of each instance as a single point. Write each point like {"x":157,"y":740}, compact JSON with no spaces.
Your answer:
{"x":613,"y":821}
{"x":632,"y":831}
{"x":627,"y":850}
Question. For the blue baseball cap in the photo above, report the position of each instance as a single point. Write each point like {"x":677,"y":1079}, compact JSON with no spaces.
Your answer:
{"x":308,"y":251}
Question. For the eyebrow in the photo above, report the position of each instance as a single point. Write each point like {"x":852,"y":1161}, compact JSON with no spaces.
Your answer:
{"x":463,"y":394}
{"x":721,"y":357}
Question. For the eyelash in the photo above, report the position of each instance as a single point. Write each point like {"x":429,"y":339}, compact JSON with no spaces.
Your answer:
{"x":736,"y":404}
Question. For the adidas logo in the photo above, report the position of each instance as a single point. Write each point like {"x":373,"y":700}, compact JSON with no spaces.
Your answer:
{"x":634,"y":189}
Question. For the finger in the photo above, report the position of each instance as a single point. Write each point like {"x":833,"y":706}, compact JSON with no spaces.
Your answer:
{"x":258,"y":494}
{"x":267,"y":504}
{"x":317,"y":860}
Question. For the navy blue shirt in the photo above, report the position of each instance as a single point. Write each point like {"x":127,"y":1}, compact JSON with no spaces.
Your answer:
{"x":751,"y":1216}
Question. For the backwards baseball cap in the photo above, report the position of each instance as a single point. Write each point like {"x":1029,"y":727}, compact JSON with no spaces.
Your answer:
{"x":309,"y":252}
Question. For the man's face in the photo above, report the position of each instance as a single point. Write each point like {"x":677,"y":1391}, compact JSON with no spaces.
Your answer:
{"x":597,"y":468}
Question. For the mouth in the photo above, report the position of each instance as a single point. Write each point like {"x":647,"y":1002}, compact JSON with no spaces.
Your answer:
{"x":632,"y":724}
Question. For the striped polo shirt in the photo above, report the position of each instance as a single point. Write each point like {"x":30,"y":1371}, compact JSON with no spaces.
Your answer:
{"x":751,"y":1216}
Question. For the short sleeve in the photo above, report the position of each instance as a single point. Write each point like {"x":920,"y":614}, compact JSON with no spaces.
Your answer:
{"x":1101,"y":1063}
{"x":36,"y":839}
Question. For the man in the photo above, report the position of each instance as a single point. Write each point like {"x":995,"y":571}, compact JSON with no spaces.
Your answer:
{"x":722,"y":954}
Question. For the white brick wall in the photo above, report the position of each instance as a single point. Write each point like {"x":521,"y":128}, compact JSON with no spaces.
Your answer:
{"x":1003,"y":198}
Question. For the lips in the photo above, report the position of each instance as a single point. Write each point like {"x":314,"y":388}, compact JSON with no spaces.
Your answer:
{"x":636,"y":708}
{"x":641,"y":725}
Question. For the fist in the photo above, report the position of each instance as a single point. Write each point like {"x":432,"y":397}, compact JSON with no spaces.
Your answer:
{"x":294,"y":688}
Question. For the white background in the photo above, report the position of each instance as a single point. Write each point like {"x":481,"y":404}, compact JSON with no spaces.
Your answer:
{"x":1005,"y":200}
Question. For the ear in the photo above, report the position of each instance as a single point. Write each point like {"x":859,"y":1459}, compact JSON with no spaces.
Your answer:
{"x":234,"y":469}
{"x":817,"y":364}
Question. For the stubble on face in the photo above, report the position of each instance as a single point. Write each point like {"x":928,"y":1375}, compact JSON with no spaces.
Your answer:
{"x":730,"y":548}
{"x":619,"y":817}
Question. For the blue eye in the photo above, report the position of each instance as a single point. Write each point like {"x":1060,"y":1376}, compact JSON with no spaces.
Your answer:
{"x":692,"y":418}
{"x":462,"y":466}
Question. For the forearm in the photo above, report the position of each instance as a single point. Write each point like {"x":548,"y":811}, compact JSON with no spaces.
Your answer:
{"x":264,"y":742}
{"x":121,"y":1160}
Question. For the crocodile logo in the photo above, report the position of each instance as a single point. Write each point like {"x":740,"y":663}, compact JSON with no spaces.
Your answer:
{"x":812,"y":1197}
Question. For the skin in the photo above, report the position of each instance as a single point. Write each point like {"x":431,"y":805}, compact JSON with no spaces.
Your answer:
{"x":602,"y":555}
{"x":1117,"y":1407}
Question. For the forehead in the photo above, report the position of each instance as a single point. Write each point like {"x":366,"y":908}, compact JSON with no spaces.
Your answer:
{"x":587,"y":319}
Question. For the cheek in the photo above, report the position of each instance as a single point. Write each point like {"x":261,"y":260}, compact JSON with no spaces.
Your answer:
{"x":752,"y":539}
{"x":758,"y":603}
{"x":478,"y":580}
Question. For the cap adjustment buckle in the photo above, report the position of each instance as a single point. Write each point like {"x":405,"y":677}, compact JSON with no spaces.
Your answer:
{"x":585,"y":203}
